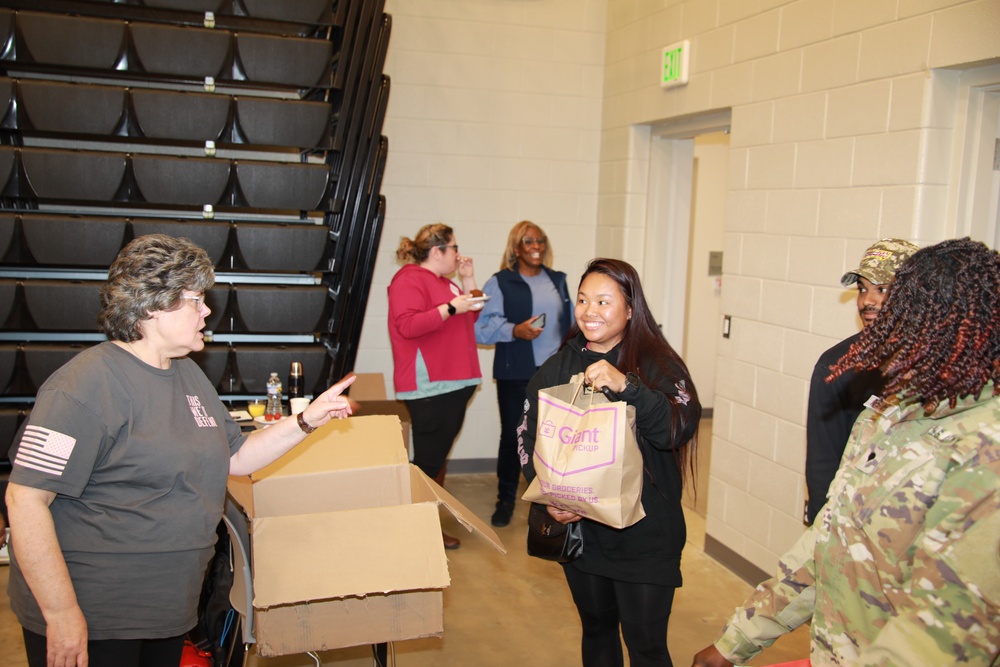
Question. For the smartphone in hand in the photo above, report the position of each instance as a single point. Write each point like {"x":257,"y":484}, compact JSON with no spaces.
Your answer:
{"x":539,"y":322}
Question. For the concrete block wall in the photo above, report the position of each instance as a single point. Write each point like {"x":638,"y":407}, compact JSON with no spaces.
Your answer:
{"x":841,"y":133}
{"x":494,"y":117}
{"x":842,"y":121}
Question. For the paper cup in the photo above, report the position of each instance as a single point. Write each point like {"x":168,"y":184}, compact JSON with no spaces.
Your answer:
{"x":298,"y":405}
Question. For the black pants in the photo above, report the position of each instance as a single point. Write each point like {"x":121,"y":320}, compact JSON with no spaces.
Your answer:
{"x":510,"y":398}
{"x":436,"y":422}
{"x":115,"y":652}
{"x":642,"y":610}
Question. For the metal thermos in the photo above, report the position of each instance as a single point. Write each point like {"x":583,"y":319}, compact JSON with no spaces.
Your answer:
{"x":296,"y":383}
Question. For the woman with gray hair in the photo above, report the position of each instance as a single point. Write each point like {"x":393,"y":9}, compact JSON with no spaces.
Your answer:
{"x":119,"y":474}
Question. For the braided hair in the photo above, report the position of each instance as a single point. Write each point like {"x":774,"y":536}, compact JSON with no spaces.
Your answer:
{"x":937,"y":337}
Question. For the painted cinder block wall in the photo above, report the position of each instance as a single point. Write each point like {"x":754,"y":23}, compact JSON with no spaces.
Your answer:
{"x":842,"y":122}
{"x":494,"y":117}
{"x":841,"y":133}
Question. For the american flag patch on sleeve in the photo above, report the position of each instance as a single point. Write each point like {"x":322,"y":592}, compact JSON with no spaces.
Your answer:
{"x":45,"y":450}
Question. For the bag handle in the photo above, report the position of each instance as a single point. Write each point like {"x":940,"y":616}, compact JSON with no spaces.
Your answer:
{"x":580,"y":383}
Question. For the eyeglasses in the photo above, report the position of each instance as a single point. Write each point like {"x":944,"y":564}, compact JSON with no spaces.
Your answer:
{"x":530,"y":241}
{"x":199,"y":300}
{"x":445,"y":247}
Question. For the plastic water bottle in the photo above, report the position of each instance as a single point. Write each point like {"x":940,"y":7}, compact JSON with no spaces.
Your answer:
{"x":273,"y":410}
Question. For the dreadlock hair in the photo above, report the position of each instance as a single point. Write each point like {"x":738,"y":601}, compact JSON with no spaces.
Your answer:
{"x":645,"y":351}
{"x":937,"y":337}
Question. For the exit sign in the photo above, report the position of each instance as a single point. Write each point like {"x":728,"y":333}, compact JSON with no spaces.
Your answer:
{"x":674,"y":64}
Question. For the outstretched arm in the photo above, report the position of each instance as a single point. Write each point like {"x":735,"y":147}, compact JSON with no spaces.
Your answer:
{"x":267,"y":445}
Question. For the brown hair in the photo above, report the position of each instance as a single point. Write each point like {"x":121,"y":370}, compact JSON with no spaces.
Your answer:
{"x":517,"y":232}
{"x":430,"y":236}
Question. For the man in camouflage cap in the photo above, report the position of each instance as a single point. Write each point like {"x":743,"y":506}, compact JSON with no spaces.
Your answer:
{"x":902,"y":566}
{"x":833,"y":406}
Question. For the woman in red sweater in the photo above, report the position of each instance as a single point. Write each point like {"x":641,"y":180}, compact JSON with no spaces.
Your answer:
{"x":433,"y":344}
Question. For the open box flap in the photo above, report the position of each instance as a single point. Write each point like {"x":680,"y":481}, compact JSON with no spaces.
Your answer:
{"x":350,"y":553}
{"x":345,"y":464}
{"x":424,"y":490}
{"x":342,"y":444}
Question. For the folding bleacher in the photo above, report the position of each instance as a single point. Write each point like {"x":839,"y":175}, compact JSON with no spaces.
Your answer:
{"x":252,"y":127}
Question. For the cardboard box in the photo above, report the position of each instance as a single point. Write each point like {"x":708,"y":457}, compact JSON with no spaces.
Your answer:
{"x":369,"y":391}
{"x":346,"y":541}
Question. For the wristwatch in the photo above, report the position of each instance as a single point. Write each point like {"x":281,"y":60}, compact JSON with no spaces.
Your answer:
{"x":451,"y":308}
{"x":632,"y":382}
{"x":306,"y":428}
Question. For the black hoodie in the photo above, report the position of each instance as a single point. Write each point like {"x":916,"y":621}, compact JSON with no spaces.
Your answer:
{"x":650,"y":550}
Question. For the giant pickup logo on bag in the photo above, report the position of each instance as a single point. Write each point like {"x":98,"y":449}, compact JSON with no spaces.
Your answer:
{"x":586,"y":458}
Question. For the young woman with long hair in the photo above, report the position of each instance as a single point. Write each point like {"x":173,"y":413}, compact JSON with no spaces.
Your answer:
{"x":625,"y":580}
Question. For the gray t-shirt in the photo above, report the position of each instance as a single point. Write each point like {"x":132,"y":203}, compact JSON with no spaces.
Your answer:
{"x":138,"y":459}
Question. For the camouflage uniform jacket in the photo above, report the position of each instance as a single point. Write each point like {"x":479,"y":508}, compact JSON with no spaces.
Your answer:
{"x":902,"y":566}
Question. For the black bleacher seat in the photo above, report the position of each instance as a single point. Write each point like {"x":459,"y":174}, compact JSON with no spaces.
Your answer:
{"x":281,"y":247}
{"x":254,"y":363}
{"x":181,"y":181}
{"x":272,"y":122}
{"x":8,"y":223}
{"x":119,"y":113}
{"x":8,"y":160}
{"x":8,"y":359}
{"x":217,"y":300}
{"x":63,"y":305}
{"x":179,"y":115}
{"x":6,"y":26}
{"x":283,"y":185}
{"x":7,"y":100}
{"x":300,"y":11}
{"x":44,"y":359}
{"x":73,"y":175}
{"x":211,"y":236}
{"x":214,"y":361}
{"x":10,"y":422}
{"x":55,"y":240}
{"x":182,"y":50}
{"x":296,"y":309}
{"x":70,"y":41}
{"x":74,"y":108}
{"x":8,"y":292}
{"x":295,"y":61}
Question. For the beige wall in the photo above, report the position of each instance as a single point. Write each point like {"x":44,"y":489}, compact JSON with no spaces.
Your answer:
{"x":840,"y":135}
{"x":494,"y":117}
{"x":842,"y":132}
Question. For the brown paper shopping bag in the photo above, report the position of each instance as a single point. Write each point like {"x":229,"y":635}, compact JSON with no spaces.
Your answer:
{"x":586,"y":457}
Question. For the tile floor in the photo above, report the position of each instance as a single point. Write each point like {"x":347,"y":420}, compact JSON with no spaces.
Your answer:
{"x":504,"y":610}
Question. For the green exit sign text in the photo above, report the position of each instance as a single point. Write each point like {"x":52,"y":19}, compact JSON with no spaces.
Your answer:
{"x":674,"y":64}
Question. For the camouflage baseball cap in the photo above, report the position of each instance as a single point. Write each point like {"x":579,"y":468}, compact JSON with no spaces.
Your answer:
{"x":880,"y":262}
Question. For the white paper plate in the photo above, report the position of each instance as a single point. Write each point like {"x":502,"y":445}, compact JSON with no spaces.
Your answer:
{"x":261,"y":420}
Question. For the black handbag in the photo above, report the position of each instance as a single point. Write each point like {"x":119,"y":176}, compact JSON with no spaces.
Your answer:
{"x":550,"y":540}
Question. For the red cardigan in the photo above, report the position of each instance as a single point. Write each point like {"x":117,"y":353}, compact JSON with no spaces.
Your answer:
{"x":448,"y":346}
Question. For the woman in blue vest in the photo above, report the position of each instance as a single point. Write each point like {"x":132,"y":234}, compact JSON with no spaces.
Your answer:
{"x":524,"y":290}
